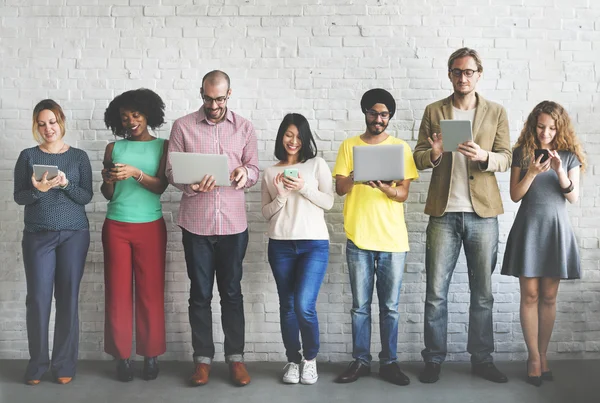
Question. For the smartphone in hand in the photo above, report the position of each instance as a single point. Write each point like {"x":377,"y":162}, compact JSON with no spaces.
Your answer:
{"x":543,"y":152}
{"x":290,"y":173}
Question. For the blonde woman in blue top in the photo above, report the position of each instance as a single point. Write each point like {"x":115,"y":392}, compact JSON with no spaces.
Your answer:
{"x":134,"y":233}
{"x":55,"y":242}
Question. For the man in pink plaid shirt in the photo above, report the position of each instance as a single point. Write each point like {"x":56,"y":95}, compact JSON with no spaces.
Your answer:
{"x":214,"y":225}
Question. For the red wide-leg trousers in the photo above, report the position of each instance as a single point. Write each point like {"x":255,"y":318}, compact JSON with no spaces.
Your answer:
{"x":134,"y":250}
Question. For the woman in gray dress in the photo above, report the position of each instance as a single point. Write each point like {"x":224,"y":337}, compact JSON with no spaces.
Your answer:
{"x":541,"y":248}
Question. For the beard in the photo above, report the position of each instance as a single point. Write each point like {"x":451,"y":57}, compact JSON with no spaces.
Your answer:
{"x":216,"y":113}
{"x":375,"y":128}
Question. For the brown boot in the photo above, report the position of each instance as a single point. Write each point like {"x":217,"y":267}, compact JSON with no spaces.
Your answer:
{"x":200,"y":375}
{"x":239,"y":373}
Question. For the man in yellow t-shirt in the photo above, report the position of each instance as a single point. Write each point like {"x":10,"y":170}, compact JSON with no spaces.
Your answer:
{"x":377,"y":241}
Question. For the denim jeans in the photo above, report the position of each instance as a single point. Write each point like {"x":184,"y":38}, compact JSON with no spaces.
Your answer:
{"x":363,"y":266}
{"x":299,"y":267}
{"x":479,"y":236}
{"x":207,"y":257}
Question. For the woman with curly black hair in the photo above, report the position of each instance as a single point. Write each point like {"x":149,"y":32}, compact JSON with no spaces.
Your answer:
{"x":134,"y":234}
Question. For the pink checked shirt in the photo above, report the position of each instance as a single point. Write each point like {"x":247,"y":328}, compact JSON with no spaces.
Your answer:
{"x":221,"y":211}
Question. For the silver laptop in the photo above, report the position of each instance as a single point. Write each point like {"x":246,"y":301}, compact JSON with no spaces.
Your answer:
{"x":378,"y":162}
{"x":190,"y":168}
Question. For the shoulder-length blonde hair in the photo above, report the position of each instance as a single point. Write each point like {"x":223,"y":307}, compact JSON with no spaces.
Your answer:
{"x":51,"y":105}
{"x":565,"y":138}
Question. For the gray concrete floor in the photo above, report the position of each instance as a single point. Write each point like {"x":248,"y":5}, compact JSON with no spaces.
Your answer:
{"x":576,"y":382}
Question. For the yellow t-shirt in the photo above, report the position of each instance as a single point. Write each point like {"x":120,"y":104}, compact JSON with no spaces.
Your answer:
{"x":372,"y":220}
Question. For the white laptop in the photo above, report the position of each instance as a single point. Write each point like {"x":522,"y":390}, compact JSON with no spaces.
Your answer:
{"x":455,"y":132}
{"x":378,"y":162}
{"x":190,"y":168}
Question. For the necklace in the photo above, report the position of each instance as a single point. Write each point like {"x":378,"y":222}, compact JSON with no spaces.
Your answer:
{"x":50,"y":152}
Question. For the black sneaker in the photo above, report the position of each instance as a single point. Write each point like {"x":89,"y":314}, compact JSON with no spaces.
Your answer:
{"x":488,"y":370}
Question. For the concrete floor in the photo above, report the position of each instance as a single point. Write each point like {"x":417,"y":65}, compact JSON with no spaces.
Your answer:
{"x":576,"y":382}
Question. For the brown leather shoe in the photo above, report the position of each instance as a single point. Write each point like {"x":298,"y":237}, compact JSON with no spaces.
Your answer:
{"x":32,"y":382}
{"x":239,"y":374}
{"x":64,"y":380}
{"x":200,"y":375}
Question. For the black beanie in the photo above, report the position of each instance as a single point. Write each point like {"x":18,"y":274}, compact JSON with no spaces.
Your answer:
{"x":378,"y":96}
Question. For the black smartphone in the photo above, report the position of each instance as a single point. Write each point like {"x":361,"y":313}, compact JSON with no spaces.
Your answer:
{"x":108,"y":164}
{"x":539,"y":152}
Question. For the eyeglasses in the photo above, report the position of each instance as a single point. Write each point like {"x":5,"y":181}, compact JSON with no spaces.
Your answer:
{"x":218,"y":100}
{"x":373,"y":114}
{"x":467,"y":72}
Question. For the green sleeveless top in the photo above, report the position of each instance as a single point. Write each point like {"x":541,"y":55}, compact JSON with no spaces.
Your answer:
{"x":132,"y":202}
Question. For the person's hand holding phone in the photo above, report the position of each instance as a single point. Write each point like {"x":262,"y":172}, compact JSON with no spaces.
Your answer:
{"x":106,"y":172}
{"x":45,"y":184}
{"x":279,"y":186}
{"x":121,"y":172}
{"x":293,"y":183}
{"x":537,"y":166}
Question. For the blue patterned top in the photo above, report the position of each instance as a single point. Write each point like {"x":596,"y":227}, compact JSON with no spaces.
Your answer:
{"x":57,"y":209}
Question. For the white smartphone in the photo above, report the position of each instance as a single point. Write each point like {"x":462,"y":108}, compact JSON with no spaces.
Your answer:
{"x":40,"y":170}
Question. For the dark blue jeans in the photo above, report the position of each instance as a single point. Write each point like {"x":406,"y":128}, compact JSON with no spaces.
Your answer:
{"x":363,"y":266}
{"x":299,"y":268}
{"x":53,"y":259}
{"x":445,"y":235}
{"x":207,"y":257}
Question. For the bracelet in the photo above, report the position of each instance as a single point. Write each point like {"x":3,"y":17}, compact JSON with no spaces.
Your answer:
{"x":141,"y":177}
{"x":395,"y":193}
{"x":63,"y":187}
{"x":569,"y":188}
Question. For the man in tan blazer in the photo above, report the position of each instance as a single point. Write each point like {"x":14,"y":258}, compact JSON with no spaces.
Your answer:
{"x":463,"y":203}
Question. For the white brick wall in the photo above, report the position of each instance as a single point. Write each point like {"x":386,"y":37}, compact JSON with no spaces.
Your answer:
{"x":316,"y":57}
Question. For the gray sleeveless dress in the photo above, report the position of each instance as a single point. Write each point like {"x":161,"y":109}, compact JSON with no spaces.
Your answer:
{"x":541,"y":242}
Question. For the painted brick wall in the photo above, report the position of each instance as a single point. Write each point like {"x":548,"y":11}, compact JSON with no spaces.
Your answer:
{"x":315,"y":57}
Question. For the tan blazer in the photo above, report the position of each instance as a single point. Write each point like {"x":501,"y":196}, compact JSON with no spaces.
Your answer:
{"x":490,"y":132}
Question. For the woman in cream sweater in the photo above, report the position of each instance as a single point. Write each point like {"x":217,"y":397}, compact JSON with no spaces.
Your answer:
{"x":295,"y":194}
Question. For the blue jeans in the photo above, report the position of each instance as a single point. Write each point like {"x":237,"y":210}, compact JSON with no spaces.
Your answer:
{"x":363,"y":265}
{"x":479,"y":236}
{"x":299,"y":268}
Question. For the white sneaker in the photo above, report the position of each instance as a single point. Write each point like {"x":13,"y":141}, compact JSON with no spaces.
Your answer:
{"x":292,"y":374}
{"x":309,"y":372}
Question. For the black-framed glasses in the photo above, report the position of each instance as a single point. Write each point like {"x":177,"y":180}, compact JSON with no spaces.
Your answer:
{"x":219,"y":100}
{"x":373,"y":114}
{"x":467,"y":72}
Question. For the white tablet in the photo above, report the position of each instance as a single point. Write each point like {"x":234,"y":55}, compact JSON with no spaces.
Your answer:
{"x":40,"y":170}
{"x":378,"y":162}
{"x":455,"y":132}
{"x":190,"y":168}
